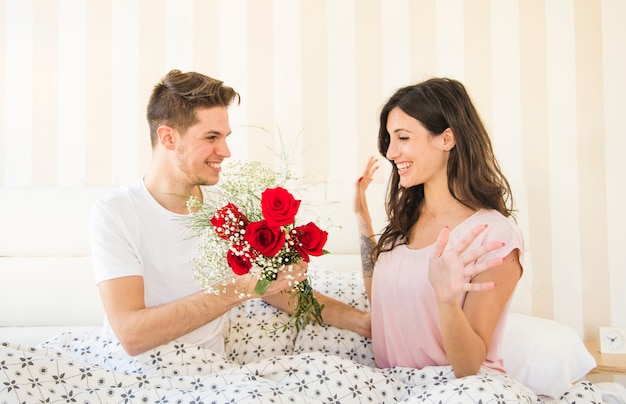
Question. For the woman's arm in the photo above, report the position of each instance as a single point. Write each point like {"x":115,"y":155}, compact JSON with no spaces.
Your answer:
{"x":335,"y":312}
{"x":367,"y":239}
{"x":467,"y":330}
{"x":468,"y":333}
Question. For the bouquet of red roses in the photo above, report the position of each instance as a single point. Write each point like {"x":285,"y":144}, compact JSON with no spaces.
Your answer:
{"x":245,"y":231}
{"x":270,"y":243}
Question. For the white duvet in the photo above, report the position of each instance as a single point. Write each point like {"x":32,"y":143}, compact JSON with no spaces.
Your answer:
{"x":321,"y":364}
{"x":91,"y":368}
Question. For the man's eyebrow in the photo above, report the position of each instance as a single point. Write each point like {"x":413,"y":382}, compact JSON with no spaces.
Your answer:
{"x":217,"y":132}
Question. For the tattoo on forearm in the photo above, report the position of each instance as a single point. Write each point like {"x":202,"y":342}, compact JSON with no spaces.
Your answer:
{"x":367,"y":246}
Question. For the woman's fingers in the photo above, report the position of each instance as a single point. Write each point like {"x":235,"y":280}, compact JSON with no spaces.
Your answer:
{"x":442,"y":242}
{"x":473,"y":270}
{"x":476,"y":253}
{"x":372,"y":166}
{"x":360,"y":201}
{"x":465,"y":258}
{"x":368,"y":172}
{"x":469,"y":238}
{"x":479,"y":287}
{"x":449,"y":269}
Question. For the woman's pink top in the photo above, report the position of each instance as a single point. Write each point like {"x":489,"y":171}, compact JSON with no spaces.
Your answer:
{"x":405,"y":322}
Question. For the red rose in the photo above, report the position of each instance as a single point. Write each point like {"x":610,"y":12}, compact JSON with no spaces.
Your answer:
{"x":239,"y":260}
{"x":228,"y":221}
{"x":279,"y":207}
{"x":266,"y":239}
{"x":309,"y":240}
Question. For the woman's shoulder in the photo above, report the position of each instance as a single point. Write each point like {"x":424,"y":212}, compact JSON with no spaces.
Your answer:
{"x":498,"y":225}
{"x":500,"y":228}
{"x":489,"y":216}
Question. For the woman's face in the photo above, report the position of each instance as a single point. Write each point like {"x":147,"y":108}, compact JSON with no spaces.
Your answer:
{"x":419,"y":156}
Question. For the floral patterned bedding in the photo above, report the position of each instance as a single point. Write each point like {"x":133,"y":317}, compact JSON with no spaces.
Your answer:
{"x":319,"y":365}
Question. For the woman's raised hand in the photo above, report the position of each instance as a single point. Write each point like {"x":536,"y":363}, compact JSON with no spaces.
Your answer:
{"x":360,"y":200}
{"x":448,"y":269}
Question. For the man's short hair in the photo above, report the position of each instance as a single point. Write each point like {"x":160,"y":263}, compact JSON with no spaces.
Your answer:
{"x":176,"y":97}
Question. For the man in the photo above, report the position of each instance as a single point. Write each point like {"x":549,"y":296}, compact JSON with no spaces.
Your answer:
{"x":141,"y":248}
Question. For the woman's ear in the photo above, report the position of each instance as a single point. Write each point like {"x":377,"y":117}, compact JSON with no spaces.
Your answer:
{"x":447,"y":137}
{"x":165,"y":134}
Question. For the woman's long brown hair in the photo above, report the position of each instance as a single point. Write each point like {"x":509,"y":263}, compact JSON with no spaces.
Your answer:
{"x":474,"y":175}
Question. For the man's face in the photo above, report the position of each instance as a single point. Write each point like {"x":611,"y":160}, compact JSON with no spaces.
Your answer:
{"x":202,"y":148}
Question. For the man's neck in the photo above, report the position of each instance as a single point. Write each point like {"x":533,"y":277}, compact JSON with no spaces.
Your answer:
{"x":170,"y":193}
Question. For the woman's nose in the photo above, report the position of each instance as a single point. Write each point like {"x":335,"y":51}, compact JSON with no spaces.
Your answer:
{"x":392,"y":153}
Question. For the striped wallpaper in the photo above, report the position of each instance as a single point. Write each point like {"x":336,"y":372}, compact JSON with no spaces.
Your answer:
{"x":549,"y":78}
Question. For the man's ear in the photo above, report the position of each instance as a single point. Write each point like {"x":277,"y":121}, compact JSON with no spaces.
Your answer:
{"x":166,"y":137}
{"x":447,"y":137}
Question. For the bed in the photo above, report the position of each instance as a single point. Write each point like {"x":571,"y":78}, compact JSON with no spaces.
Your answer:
{"x":52,"y":350}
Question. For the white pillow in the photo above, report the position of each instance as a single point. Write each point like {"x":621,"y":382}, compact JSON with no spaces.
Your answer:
{"x":543,"y":354}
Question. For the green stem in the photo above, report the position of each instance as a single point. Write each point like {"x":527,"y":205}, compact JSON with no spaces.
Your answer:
{"x":308,"y":310}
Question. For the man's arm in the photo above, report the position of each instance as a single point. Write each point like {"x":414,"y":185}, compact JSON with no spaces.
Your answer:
{"x":140,"y":328}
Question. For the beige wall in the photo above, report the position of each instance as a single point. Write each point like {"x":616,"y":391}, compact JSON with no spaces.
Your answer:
{"x":548,"y":76}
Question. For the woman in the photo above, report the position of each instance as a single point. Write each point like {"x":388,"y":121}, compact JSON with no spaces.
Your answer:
{"x":441,"y":275}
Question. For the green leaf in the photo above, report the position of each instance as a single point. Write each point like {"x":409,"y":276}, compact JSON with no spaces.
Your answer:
{"x":261,"y":286}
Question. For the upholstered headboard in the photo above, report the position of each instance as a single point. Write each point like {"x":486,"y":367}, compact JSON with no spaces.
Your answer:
{"x":47,"y":283}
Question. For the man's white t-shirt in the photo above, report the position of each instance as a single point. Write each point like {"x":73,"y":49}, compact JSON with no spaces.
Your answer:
{"x":132,"y":234}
